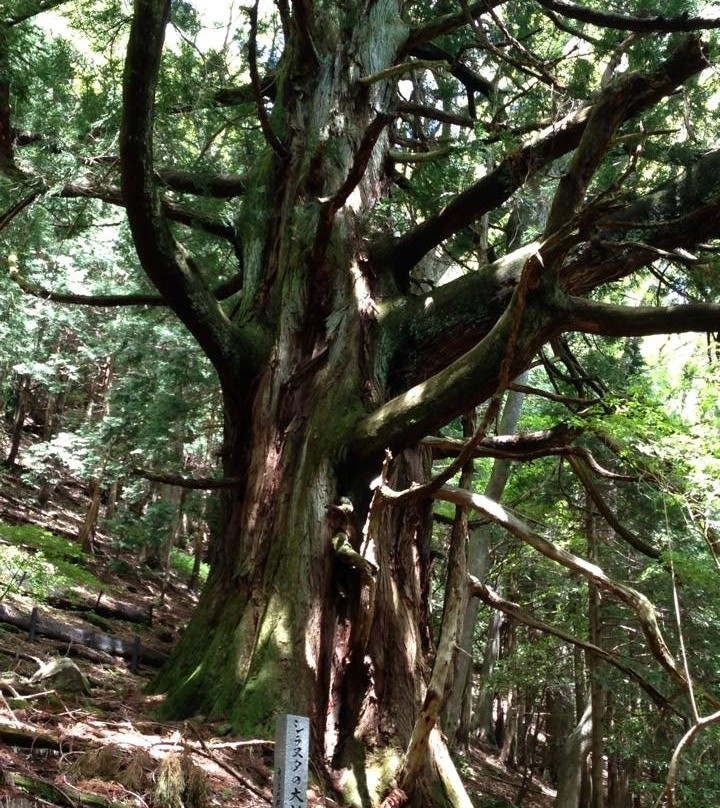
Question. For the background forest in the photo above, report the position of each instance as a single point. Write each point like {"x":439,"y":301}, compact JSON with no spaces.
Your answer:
{"x":585,"y":649}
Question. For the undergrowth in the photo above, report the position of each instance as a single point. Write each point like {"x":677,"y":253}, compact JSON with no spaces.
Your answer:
{"x":183,"y":562}
{"x":36,"y":562}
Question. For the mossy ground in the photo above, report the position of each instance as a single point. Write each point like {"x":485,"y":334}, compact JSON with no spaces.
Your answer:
{"x":182,"y":563}
{"x":36,"y":562}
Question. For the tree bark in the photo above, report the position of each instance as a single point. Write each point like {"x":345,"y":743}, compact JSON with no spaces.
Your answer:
{"x":199,"y":539}
{"x":259,"y":643}
{"x":317,"y":599}
{"x":86,"y":533}
{"x":18,"y":420}
{"x":572,"y":764}
{"x":597,"y":695}
{"x":417,"y":755}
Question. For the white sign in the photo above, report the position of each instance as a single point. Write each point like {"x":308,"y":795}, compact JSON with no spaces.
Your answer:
{"x":292,"y":753}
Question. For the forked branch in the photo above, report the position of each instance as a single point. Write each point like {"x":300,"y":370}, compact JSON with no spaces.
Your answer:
{"x":559,"y":139}
{"x":265,"y":126}
{"x":32,"y":10}
{"x":583,"y":474}
{"x":194,"y":483}
{"x":222,"y":291}
{"x":450,"y":22}
{"x":176,"y":276}
{"x":685,"y":741}
{"x":609,"y":320}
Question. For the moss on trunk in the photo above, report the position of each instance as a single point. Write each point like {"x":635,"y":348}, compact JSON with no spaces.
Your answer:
{"x":281,"y":625}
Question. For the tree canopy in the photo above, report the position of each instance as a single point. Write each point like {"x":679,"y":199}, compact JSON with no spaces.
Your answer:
{"x":312,"y":251}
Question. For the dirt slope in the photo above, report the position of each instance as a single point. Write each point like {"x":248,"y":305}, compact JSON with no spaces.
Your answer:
{"x":102,"y":746}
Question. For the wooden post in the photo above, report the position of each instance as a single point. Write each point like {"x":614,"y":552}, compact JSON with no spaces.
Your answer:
{"x":135,"y":661}
{"x":33,"y":624}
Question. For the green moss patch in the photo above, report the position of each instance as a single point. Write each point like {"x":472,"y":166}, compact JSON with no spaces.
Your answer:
{"x":34,"y":562}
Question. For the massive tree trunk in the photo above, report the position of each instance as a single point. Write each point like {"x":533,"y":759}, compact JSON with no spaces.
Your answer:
{"x":287,"y":621}
{"x":284,"y":624}
{"x":317,"y":597}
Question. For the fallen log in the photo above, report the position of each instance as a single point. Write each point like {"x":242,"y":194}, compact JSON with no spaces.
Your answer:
{"x":28,"y":738}
{"x":63,"y":649}
{"x":64,"y":795}
{"x":54,"y":629}
{"x":103,"y":605}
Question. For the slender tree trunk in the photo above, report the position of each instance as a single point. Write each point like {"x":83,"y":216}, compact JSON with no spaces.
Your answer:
{"x":173,"y":538}
{"x":417,"y":756}
{"x":97,"y":402}
{"x":478,"y":564}
{"x":18,"y":420}
{"x":86,"y":534}
{"x":597,"y":695}
{"x":621,"y":767}
{"x":199,"y":538}
{"x":559,"y":724}
{"x":532,"y":735}
{"x":508,"y":741}
{"x":619,"y":777}
{"x":572,"y":765}
{"x":113,"y":493}
{"x":482,"y":720}
{"x":55,"y":407}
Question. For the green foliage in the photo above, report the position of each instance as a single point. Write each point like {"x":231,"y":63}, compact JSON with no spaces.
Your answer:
{"x":582,"y":72}
{"x":132,"y":531}
{"x":36,"y":562}
{"x":183,"y":563}
{"x":137,"y":390}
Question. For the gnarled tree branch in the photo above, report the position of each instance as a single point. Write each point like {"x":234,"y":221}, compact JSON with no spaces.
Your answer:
{"x":492,"y":598}
{"x":178,"y":213}
{"x":222,"y":291}
{"x":639,"y":604}
{"x":449,"y":22}
{"x":432,"y":330}
{"x":513,"y":171}
{"x":195,"y":483}
{"x":609,"y":320}
{"x":171,"y":270}
{"x":626,"y":22}
{"x":606,"y":512}
{"x":31,"y":10}
{"x":512,"y":447}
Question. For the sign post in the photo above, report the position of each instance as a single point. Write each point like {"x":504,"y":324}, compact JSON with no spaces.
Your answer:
{"x":292,"y":753}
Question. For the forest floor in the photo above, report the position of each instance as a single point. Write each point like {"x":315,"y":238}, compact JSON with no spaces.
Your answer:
{"x":98,"y":744}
